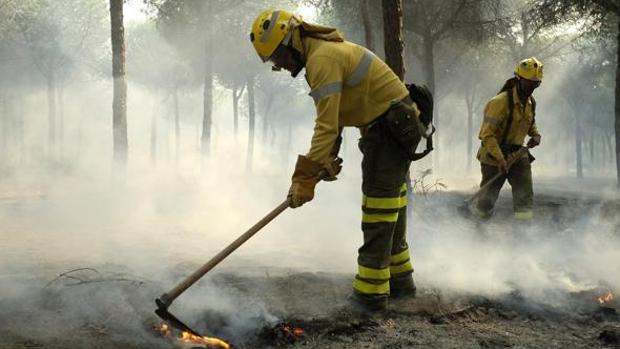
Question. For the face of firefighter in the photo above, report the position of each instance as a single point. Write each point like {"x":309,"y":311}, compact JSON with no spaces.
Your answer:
{"x":527,"y":87}
{"x":284,"y":58}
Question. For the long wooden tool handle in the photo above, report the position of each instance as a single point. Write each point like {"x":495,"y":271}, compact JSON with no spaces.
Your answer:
{"x":169,"y":297}
{"x":516,"y":156}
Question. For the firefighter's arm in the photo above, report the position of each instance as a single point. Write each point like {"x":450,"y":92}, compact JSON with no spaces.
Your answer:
{"x":533,"y":131}
{"x":491,"y":129}
{"x":325,"y":79}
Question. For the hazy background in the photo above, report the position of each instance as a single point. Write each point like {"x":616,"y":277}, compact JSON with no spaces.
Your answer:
{"x":63,"y":207}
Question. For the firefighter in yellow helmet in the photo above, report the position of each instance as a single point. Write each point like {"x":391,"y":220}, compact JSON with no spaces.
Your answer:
{"x":508,"y":118}
{"x":350,"y":86}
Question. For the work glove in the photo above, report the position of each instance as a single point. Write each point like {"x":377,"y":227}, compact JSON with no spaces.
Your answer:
{"x":503,"y":166}
{"x":334,"y":165}
{"x":533,"y":142}
{"x":332,"y":169}
{"x":337,"y":143}
{"x":305,"y":177}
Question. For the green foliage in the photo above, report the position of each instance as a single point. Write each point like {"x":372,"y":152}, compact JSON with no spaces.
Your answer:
{"x":155,"y":63}
{"x":52,"y":37}
{"x":602,"y":15}
{"x":59,"y":34}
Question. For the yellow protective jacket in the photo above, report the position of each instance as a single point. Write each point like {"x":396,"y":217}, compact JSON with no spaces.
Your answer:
{"x":350,"y":87}
{"x":495,"y":122}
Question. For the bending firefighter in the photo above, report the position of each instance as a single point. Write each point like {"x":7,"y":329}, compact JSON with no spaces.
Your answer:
{"x":351,"y":87}
{"x":508,"y":118}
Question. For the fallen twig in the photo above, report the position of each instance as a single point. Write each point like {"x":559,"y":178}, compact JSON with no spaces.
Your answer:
{"x":81,"y":280}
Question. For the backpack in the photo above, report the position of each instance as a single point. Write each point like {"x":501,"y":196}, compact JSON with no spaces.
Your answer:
{"x":423,"y":98}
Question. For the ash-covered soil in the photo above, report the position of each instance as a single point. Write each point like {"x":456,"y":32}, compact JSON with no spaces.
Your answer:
{"x":118,"y":314}
{"x":109,"y":306}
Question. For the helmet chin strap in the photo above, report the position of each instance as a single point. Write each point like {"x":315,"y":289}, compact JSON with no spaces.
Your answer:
{"x":301,"y":63}
{"x":298,"y":69}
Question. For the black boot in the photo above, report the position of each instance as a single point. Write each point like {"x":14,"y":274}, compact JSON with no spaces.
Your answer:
{"x":367,"y":304}
{"x":402,"y":287}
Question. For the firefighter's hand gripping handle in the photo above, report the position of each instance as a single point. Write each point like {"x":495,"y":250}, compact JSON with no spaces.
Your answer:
{"x":515,"y":156}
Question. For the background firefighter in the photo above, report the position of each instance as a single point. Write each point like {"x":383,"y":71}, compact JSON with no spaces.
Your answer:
{"x":508,"y":118}
{"x":350,"y":87}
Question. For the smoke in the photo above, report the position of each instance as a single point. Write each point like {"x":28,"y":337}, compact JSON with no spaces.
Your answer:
{"x":61,"y":208}
{"x":571,"y":246}
{"x":161,"y":230}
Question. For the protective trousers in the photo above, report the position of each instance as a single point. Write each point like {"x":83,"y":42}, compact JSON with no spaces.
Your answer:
{"x":384,"y":262}
{"x":520,"y":178}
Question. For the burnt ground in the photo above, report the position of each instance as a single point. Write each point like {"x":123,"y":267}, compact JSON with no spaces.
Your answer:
{"x":108,"y":307}
{"x":314,"y":302}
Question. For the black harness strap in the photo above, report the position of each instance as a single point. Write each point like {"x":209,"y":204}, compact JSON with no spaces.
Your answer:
{"x":429,"y":145}
{"x":503,"y":144}
{"x":511,"y":108}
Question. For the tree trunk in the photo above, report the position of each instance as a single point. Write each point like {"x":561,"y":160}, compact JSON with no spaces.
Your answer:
{"x":368,"y":35}
{"x":609,"y":160}
{"x":205,"y":139}
{"x":235,"y":101}
{"x":51,"y":111}
{"x":4,"y":122}
{"x":470,"y":135}
{"x":266,"y":119}
{"x":153,"y":144}
{"x":119,"y":103}
{"x":19,"y":114}
{"x":393,"y":34}
{"x":61,"y":120}
{"x":208,"y":83}
{"x":177,"y":125}
{"x":593,"y":159}
{"x":394,"y":48}
{"x":429,"y":62}
{"x":429,"y":65}
{"x":617,"y":108}
{"x":252,"y":119}
{"x":578,"y":147}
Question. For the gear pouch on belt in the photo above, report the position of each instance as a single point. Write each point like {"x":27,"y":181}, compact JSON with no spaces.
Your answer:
{"x":403,"y":124}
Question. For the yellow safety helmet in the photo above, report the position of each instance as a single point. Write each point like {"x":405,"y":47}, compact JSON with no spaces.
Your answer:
{"x":530,"y":68}
{"x":270,"y":29}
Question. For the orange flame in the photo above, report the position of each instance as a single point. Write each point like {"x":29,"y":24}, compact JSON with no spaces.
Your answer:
{"x":293,"y":331}
{"x":164,"y":330}
{"x":606,"y":298}
{"x":211,"y":341}
{"x":186,"y":337}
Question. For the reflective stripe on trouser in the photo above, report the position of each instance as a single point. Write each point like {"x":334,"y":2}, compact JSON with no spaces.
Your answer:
{"x":520,"y":179}
{"x":400,"y":264}
{"x":523,"y":215}
{"x":384,"y":213}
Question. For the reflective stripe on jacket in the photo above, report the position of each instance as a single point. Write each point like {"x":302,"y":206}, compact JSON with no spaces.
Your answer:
{"x":350,"y":87}
{"x":495,"y":121}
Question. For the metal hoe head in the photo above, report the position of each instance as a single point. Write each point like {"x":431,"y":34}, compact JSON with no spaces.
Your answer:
{"x":165,"y":300}
{"x":164,"y":314}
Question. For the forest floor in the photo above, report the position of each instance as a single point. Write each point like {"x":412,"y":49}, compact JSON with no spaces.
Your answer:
{"x":107,"y":307}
